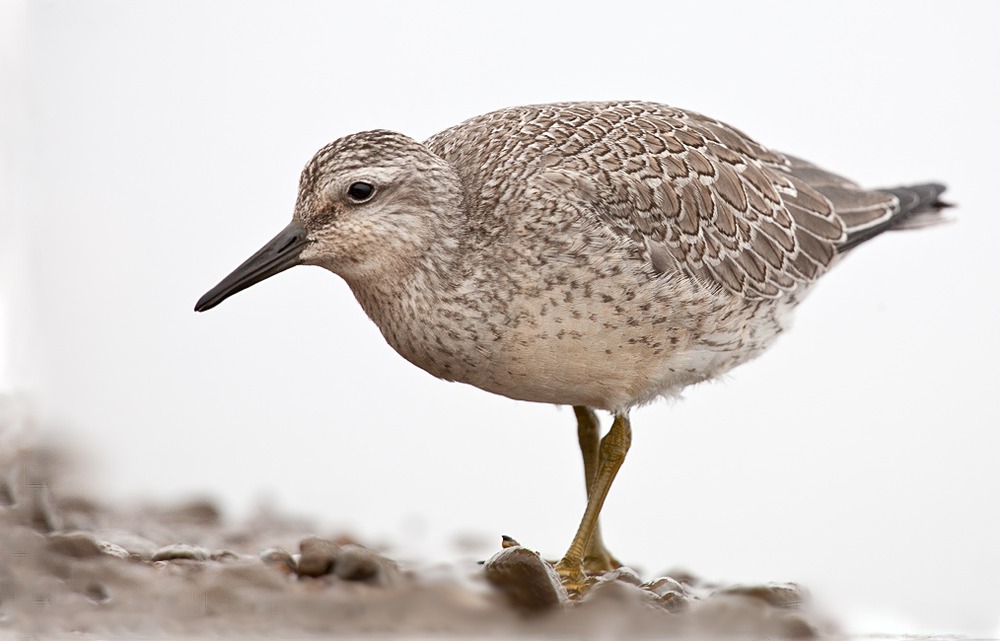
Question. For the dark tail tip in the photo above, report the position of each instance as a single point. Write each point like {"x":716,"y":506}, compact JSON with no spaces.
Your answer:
{"x":917,"y":198}
{"x":919,"y":206}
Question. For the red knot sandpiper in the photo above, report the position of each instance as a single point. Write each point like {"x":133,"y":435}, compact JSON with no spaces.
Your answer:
{"x":598,"y":255}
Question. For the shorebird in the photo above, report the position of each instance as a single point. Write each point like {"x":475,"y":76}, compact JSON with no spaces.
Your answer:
{"x":598,"y":255}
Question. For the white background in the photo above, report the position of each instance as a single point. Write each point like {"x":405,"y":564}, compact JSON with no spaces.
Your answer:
{"x":149,"y":147}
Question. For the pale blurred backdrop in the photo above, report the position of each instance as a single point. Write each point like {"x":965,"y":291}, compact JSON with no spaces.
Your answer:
{"x":150,"y":147}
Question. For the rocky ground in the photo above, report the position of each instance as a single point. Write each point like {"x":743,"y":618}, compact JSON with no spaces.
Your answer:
{"x":73,"y":566}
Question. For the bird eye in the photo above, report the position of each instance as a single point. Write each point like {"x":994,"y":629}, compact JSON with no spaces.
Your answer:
{"x":360,"y":192}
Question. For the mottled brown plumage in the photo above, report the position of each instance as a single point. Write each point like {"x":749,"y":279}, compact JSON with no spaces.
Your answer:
{"x":590,"y":254}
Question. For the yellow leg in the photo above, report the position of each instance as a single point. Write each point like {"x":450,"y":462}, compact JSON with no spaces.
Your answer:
{"x":610,"y":456}
{"x":597,"y":559}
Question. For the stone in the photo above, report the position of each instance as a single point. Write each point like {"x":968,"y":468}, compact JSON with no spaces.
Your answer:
{"x":664,"y":585}
{"x":113,"y":549}
{"x":673,"y":601}
{"x":525,"y":579}
{"x":278,"y":559}
{"x":135,"y":545}
{"x":224,"y":555}
{"x":317,"y":556}
{"x":624,"y":575}
{"x":79,"y":545}
{"x":181,"y":551}
{"x":356,"y":563}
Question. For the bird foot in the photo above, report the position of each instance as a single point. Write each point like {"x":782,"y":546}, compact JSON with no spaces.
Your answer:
{"x":574,"y":577}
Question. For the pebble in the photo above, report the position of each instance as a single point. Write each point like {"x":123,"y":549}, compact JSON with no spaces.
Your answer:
{"x":623,"y":574}
{"x":79,"y":545}
{"x":683,"y":576}
{"x":525,"y":579}
{"x":664,"y":585}
{"x":357,"y":563}
{"x":181,"y":551}
{"x":350,"y":562}
{"x":317,"y":556}
{"x":224,"y":555}
{"x":673,"y":602}
{"x":137,"y":546}
{"x":113,"y":549}
{"x":278,"y":559}
{"x":616,"y":593}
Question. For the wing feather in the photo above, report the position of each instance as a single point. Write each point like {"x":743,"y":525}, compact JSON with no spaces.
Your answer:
{"x":692,"y":194}
{"x":702,"y":198}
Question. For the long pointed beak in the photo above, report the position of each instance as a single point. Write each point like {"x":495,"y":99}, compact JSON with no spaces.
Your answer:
{"x":276,"y":256}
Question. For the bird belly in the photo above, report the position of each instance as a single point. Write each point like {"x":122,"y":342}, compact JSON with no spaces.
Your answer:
{"x":604,"y":344}
{"x":608,"y":355}
{"x":606,"y":370}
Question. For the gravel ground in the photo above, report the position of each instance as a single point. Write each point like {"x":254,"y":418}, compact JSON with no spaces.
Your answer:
{"x":71,"y":565}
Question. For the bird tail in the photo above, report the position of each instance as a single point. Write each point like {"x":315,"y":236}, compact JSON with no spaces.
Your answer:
{"x":917,"y":206}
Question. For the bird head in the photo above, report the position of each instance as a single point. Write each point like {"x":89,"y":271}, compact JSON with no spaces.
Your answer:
{"x":369,"y":205}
